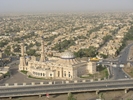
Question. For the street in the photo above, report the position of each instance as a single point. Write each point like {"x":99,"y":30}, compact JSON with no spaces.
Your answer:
{"x":122,"y":59}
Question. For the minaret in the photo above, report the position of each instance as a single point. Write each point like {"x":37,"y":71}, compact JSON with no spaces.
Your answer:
{"x":22,"y":50}
{"x":42,"y":59}
{"x":22,"y":65}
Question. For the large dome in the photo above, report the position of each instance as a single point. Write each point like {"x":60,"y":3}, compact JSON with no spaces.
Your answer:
{"x":67,"y":55}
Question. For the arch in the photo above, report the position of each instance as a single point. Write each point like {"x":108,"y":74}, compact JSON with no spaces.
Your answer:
{"x":51,"y":75}
{"x":43,"y":74}
{"x":69,"y":75}
{"x":65,"y":73}
{"x":58,"y":73}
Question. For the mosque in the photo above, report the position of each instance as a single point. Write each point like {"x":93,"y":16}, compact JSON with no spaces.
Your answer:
{"x":65,"y":67}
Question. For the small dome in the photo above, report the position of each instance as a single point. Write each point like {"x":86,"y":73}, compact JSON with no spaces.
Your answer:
{"x":67,"y":55}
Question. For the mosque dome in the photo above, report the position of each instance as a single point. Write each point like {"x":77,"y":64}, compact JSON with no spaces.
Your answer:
{"x":67,"y":55}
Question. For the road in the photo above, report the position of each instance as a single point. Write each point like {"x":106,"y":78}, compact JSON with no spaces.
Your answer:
{"x":122,"y":59}
{"x":124,"y":55}
{"x":65,"y":88}
{"x":118,"y":73}
{"x":116,"y":70}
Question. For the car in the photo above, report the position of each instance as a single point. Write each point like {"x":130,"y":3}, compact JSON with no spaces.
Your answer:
{"x":121,"y":65}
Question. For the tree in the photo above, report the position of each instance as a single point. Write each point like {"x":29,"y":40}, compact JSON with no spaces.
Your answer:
{"x":94,"y":29}
{"x":31,"y":52}
{"x":7,"y":51}
{"x":89,"y":52}
{"x":16,"y":48}
{"x":31,"y":45}
{"x":38,"y":44}
{"x":104,"y":56}
{"x":61,"y":46}
{"x":3,"y":43}
{"x":70,"y":96}
{"x":17,"y":39}
{"x":107,"y":38}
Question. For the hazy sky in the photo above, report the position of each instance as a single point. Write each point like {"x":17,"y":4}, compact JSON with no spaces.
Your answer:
{"x":64,"y":5}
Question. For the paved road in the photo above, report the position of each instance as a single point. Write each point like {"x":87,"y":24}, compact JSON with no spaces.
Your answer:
{"x":20,"y":87}
{"x":116,"y":71}
{"x":77,"y":87}
{"x":124,"y":55}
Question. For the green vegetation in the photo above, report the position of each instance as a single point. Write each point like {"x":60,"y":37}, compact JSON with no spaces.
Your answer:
{"x":38,"y":44}
{"x":90,"y":52}
{"x":103,"y":56}
{"x":28,"y":35}
{"x":35,"y":77}
{"x":101,"y":96}
{"x":80,"y":37}
{"x":105,"y":73}
{"x":3,"y":43}
{"x":10,"y":30}
{"x":16,"y":48}
{"x":7,"y":51}
{"x":101,"y":73}
{"x":63,"y":45}
{"x":70,"y":96}
{"x":115,"y":31}
{"x":94,"y":29}
{"x":23,"y":71}
{"x":76,"y":28}
{"x":107,"y":38}
{"x":31,"y":45}
{"x":6,"y":75}
{"x":128,"y":36}
{"x":17,"y":39}
{"x":31,"y":52}
{"x":121,"y":47}
{"x":51,"y":38}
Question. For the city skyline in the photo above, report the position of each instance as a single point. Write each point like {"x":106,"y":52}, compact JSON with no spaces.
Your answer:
{"x":33,"y":6}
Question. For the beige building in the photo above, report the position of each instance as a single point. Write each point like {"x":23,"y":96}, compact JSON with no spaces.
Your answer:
{"x":4,"y":70}
{"x":65,"y":67}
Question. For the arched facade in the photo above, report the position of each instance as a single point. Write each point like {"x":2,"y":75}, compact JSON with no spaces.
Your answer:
{"x":65,"y":67}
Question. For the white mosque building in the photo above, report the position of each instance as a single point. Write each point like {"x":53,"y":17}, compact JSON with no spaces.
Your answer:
{"x":65,"y":67}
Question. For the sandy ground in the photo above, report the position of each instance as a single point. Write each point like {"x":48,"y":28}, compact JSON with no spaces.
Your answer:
{"x":110,"y":95}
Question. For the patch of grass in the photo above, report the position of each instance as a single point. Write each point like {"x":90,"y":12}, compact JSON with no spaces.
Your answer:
{"x":6,"y":75}
{"x":23,"y":71}
{"x":105,"y":73}
{"x":101,"y":74}
{"x":37,"y":77}
{"x":87,"y":76}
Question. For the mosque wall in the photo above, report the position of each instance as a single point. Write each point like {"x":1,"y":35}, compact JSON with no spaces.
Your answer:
{"x":67,"y":67}
{"x":91,"y":67}
{"x":81,"y":70}
{"x":48,"y":74}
